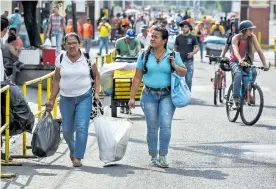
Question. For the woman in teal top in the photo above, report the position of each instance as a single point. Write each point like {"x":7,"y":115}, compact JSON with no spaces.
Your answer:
{"x":154,"y":66}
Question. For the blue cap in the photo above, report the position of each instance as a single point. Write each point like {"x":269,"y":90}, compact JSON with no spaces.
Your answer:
{"x":130,"y":34}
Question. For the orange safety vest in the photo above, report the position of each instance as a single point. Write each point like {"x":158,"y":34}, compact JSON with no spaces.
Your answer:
{"x":125,"y":21}
{"x":116,"y":22}
{"x":69,"y":28}
{"x":87,"y":30}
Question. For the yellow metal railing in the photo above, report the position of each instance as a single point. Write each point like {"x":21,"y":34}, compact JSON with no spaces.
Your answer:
{"x":105,"y":59}
{"x":6,"y":128}
{"x":40,"y":110}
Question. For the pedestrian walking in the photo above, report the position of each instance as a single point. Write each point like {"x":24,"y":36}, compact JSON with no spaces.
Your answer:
{"x":87,"y":33}
{"x":154,"y":66}
{"x":23,"y":34}
{"x":56,"y":27}
{"x":69,"y":28}
{"x":16,"y":17}
{"x":200,"y":34}
{"x":144,"y":37}
{"x":73,"y":81}
{"x":186,"y":44}
{"x":104,"y":29}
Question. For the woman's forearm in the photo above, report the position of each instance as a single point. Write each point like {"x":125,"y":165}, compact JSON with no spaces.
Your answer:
{"x":55,"y":90}
{"x":97,"y":84}
{"x":135,"y":86}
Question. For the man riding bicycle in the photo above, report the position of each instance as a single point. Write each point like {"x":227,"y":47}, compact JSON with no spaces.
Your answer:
{"x":243,"y":46}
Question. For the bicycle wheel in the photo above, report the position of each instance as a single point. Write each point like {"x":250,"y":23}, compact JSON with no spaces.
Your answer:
{"x":222,"y":90}
{"x":232,"y":115}
{"x":217,"y":76}
{"x":252,"y":104}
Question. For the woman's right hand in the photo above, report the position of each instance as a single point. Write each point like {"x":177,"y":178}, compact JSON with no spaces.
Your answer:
{"x":49,"y":105}
{"x":131,"y":103}
{"x":243,"y":63}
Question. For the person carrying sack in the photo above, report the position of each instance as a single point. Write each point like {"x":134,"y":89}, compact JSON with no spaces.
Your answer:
{"x":73,"y":81}
{"x":155,"y":66}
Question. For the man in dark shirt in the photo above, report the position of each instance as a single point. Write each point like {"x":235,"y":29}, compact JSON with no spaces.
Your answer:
{"x":186,"y":44}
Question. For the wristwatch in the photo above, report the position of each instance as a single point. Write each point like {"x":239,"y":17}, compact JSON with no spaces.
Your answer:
{"x":241,"y":61}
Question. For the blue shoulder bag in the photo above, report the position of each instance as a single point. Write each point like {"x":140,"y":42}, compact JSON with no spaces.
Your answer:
{"x":180,"y":92}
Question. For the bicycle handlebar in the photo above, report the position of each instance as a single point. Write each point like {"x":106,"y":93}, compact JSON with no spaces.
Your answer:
{"x":259,"y":67}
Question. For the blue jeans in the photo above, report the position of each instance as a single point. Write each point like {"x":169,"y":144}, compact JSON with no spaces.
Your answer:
{"x":241,"y":74}
{"x":190,"y":72}
{"x":58,"y":37}
{"x":87,"y":44}
{"x":75,"y":113}
{"x":25,"y":40}
{"x":103,"y":43}
{"x":201,"y":48}
{"x":158,"y":110}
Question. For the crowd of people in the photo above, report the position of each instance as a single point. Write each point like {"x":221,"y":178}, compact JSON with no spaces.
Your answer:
{"x":155,"y":64}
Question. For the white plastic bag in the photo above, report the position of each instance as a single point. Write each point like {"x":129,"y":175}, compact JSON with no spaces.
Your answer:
{"x":107,"y":72}
{"x":47,"y":43}
{"x":112,"y":135}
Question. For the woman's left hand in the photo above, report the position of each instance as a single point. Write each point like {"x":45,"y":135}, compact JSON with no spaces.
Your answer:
{"x":172,"y":61}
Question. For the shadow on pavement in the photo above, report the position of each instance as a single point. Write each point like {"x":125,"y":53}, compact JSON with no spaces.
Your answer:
{"x":269,"y":127}
{"x":199,"y":102}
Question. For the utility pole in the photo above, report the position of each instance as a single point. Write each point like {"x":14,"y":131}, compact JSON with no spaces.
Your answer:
{"x":74,"y":16}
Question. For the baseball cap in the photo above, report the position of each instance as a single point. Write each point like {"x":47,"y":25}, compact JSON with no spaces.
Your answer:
{"x":130,"y":34}
{"x":144,"y":27}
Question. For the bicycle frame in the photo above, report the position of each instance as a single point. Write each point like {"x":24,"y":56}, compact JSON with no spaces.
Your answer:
{"x":222,"y":75}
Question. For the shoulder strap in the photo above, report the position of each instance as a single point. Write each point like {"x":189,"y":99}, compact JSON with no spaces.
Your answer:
{"x":60,"y":58}
{"x":86,"y":55}
{"x":174,"y":57}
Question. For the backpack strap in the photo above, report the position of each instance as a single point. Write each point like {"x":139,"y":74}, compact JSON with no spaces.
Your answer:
{"x":174,"y":57}
{"x":60,"y":58}
{"x":86,"y":55}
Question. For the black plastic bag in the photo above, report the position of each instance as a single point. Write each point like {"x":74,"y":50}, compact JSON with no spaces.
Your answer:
{"x":46,"y":136}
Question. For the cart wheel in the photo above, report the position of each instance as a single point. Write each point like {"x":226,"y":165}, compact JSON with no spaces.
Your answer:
{"x":113,"y":109}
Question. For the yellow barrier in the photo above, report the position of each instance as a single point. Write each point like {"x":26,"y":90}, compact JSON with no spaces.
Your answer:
{"x":259,"y":37}
{"x":37,"y":114}
{"x":105,"y":58}
{"x":6,"y":128}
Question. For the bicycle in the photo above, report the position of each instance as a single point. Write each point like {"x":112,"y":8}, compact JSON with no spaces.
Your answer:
{"x":248,"y":100}
{"x":220,"y":78}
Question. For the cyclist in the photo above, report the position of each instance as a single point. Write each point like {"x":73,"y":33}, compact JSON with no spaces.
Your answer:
{"x":243,"y":45}
{"x":230,"y":34}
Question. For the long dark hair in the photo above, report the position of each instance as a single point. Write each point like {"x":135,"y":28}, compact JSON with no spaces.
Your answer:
{"x":165,"y":36}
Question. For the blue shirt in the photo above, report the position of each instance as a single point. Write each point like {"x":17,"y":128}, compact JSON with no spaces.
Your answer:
{"x":16,"y":18}
{"x":158,"y":75}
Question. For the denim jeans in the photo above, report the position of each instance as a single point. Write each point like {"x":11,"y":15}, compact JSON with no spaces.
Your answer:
{"x":190,"y":72}
{"x":87,"y":44}
{"x":201,"y":48}
{"x":25,"y":40}
{"x":158,"y":110}
{"x":241,"y":74}
{"x":75,"y":113}
{"x":58,"y":37}
{"x":103,"y":43}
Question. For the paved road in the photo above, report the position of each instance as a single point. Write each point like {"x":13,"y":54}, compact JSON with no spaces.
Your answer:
{"x":206,"y":151}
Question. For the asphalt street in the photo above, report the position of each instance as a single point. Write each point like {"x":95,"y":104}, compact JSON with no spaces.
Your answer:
{"x":206,"y":150}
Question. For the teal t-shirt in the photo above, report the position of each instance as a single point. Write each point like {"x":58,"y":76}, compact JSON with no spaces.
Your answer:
{"x":127,"y":49}
{"x":158,"y":75}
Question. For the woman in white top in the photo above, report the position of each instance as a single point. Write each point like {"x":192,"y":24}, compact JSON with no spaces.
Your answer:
{"x":73,"y":81}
